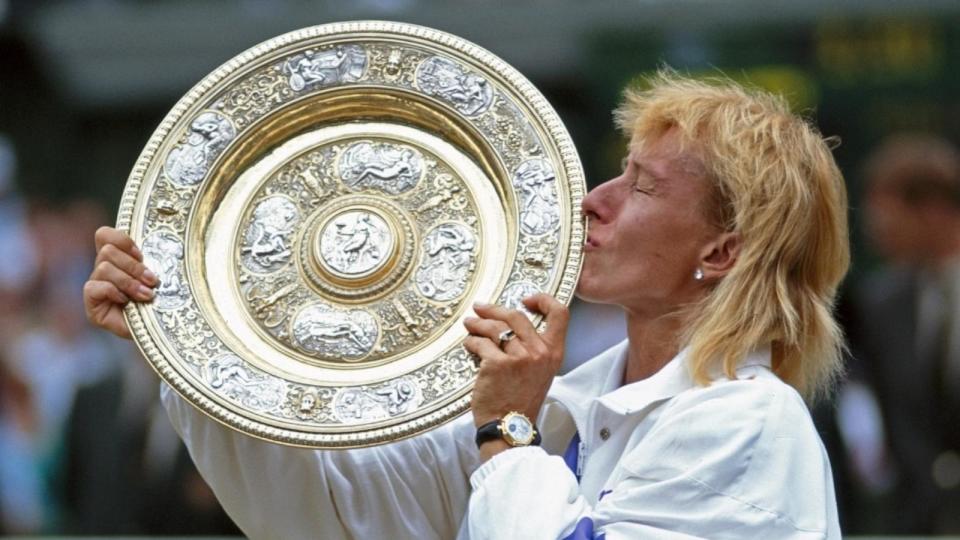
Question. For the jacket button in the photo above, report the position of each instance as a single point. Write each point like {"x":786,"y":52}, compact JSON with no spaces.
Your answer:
{"x":604,"y":434}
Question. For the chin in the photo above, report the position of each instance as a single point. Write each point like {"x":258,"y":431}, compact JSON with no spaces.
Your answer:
{"x":588,"y":294}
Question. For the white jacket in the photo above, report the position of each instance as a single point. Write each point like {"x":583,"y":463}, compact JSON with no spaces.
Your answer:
{"x":660,"y":458}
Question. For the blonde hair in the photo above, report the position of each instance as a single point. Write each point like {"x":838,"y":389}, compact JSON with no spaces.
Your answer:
{"x":776,"y":184}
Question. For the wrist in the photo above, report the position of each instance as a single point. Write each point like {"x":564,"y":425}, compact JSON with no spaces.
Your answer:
{"x":513,"y":429}
{"x":491,"y":448}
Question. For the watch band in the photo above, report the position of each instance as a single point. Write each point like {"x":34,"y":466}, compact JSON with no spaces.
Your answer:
{"x":492,"y":431}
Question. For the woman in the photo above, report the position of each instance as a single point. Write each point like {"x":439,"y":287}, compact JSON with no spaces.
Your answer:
{"x":723,"y":240}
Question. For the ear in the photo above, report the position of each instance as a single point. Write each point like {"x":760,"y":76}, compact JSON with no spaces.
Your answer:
{"x":719,"y":256}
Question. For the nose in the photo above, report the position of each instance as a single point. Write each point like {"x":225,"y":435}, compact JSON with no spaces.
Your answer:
{"x":596,"y":204}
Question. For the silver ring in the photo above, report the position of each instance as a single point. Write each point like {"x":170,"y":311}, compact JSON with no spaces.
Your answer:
{"x":504,"y":337}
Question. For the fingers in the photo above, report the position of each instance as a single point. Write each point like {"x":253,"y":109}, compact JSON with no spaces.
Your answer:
{"x":103,"y":303}
{"x":107,"y":271}
{"x":110,"y":236}
{"x":118,"y":276}
{"x":126,"y":263}
{"x":488,"y":328}
{"x":484,"y":348}
{"x":556,"y":316}
{"x":514,"y":319}
{"x":97,"y":292}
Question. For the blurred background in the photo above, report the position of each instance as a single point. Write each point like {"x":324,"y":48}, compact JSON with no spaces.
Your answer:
{"x":84,"y":448}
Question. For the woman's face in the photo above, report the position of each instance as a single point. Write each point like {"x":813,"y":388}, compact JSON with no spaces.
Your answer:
{"x":648,"y":231}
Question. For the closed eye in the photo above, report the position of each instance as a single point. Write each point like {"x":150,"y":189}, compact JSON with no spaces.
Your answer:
{"x":644,"y":185}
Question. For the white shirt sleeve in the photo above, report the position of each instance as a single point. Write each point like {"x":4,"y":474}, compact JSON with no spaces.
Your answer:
{"x":418,"y":487}
{"x":730,"y":461}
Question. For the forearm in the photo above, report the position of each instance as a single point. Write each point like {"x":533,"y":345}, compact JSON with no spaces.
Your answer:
{"x":416,"y":486}
{"x":525,"y":493}
{"x":267,"y":489}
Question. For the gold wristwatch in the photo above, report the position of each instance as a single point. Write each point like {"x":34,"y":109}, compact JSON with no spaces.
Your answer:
{"x":514,"y":428}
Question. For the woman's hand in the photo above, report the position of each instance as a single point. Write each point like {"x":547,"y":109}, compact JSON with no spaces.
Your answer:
{"x":119,"y":275}
{"x":516,"y":377}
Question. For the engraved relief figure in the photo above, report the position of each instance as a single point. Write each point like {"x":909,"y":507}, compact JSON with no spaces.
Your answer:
{"x":345,"y":63}
{"x":268,"y":302}
{"x":392,"y":399}
{"x":539,"y":209}
{"x":231,"y":378}
{"x":308,"y":402}
{"x":352,"y":405}
{"x":163,"y":253}
{"x":389,"y":168}
{"x":355,"y":242}
{"x":209,"y":134}
{"x":266,"y":242}
{"x":469,"y":93}
{"x":448,"y":257}
{"x":337,"y":335}
{"x":398,"y":397}
{"x":513,"y":296}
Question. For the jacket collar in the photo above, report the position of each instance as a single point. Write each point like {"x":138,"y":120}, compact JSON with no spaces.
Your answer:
{"x":600,"y":378}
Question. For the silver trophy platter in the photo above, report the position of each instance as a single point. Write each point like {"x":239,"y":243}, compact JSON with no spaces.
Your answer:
{"x":324,"y":209}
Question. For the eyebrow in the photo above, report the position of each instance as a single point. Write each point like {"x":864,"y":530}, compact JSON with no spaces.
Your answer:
{"x":657,"y":179}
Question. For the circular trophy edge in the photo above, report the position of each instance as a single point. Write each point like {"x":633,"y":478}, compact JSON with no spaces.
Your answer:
{"x":459,"y":404}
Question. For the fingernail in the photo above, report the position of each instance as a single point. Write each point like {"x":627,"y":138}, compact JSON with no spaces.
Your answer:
{"x":144,"y":292}
{"x":151,"y":277}
{"x":481,"y":305}
{"x":469,"y":320}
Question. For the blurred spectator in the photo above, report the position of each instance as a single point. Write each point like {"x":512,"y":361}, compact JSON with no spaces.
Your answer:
{"x":18,"y":257}
{"x":908,"y":340}
{"x":55,"y":355}
{"x":77,"y":450}
{"x":19,"y":489}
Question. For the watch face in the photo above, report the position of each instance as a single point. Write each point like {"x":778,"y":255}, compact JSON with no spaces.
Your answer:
{"x":517,"y":430}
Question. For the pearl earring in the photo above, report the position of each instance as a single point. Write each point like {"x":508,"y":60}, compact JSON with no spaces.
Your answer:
{"x":698,"y":275}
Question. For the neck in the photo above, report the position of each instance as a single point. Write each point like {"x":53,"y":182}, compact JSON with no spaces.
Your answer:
{"x":653,"y":342}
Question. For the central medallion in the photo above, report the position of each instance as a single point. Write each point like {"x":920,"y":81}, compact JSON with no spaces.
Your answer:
{"x":357,"y":248}
{"x":354,"y":244}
